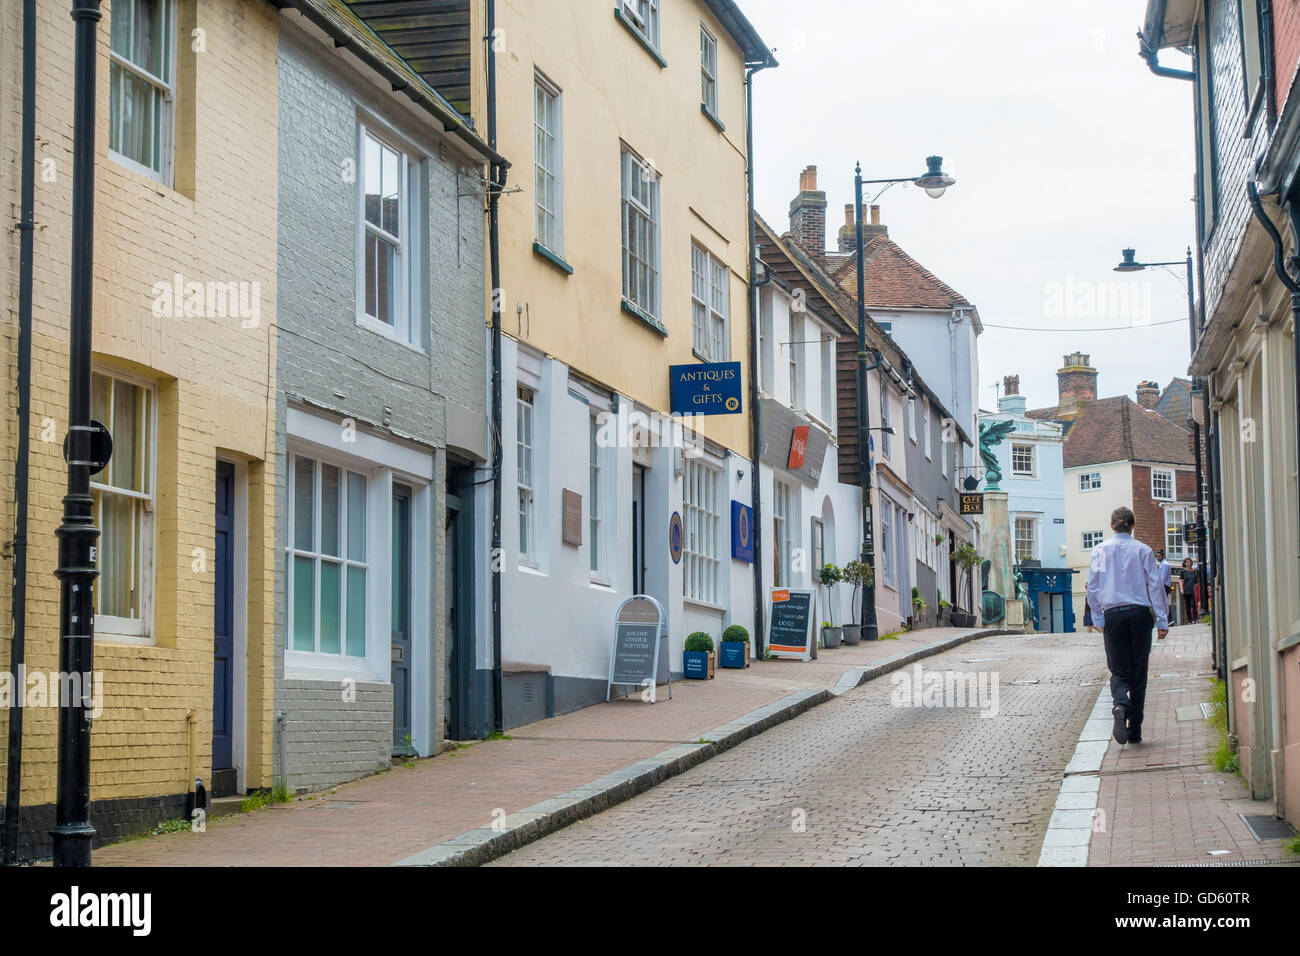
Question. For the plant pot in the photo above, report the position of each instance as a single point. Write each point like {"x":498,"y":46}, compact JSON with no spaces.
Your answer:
{"x":852,"y":634}
{"x":831,"y":636}
{"x":945,"y":616}
{"x":733,"y":654}
{"x":698,"y":665}
{"x":962,"y":619}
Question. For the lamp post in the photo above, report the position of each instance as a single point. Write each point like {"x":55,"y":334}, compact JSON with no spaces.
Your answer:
{"x":935,"y":182}
{"x":1130,"y":263}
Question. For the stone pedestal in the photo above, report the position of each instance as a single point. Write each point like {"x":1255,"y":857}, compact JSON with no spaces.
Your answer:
{"x":996,"y":547}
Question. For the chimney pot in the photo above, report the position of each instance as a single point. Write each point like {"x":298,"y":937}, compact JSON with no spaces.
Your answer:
{"x":1076,"y":383}
{"x":875,"y":215}
{"x":1148,"y":394}
{"x":1011,"y":385}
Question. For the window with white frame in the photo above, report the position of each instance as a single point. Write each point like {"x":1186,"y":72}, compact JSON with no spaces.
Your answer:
{"x":643,"y":16}
{"x":141,"y":86}
{"x":387,"y":295}
{"x":943,"y":457}
{"x":884,"y":419}
{"x":784,"y":523}
{"x":710,"y":293}
{"x":1162,"y":484}
{"x":1090,"y":481}
{"x":1026,"y":538}
{"x":766,"y":362}
{"x":123,"y":496}
{"x":595,"y":500}
{"x":708,"y":71}
{"x":524,"y":472}
{"x":1022,"y":460}
{"x":886,"y":541}
{"x":1176,"y":547}
{"x":796,"y":361}
{"x":911,"y":419}
{"x":925,"y":427}
{"x":547,"y":159}
{"x":640,"y":234}
{"x":1093,"y":538}
{"x":327,"y":566}
{"x":701,"y":551}
{"x":828,"y":380}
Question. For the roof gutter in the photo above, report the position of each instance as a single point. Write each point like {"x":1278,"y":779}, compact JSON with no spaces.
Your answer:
{"x":1150,"y":39}
{"x":418,"y":93}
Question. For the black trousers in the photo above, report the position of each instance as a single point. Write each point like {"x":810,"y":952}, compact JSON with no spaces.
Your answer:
{"x":1189,"y":605}
{"x":1127,"y":635}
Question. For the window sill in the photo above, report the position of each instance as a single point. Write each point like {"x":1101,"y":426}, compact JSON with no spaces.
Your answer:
{"x":331,"y":668}
{"x":639,"y":37}
{"x":703,"y":605}
{"x":528,"y":567}
{"x":601,"y":583}
{"x":637,"y":313}
{"x":553,"y":258}
{"x":708,"y":114}
{"x":704,"y":358}
{"x":386,"y":330}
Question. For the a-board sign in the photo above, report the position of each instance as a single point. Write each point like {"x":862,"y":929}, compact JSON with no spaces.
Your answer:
{"x":639,"y":658}
{"x":792,"y":623}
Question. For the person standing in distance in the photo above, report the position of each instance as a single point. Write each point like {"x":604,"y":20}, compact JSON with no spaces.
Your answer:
{"x":1127,"y":594}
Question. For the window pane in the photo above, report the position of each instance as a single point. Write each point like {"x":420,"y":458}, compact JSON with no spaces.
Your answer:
{"x":99,"y":389}
{"x":392,"y":193}
{"x":357,"y":612}
{"x":151,"y":36}
{"x":330,"y":596}
{"x":116,"y":545}
{"x":329,"y":510}
{"x":136,"y":138}
{"x":356,"y":516}
{"x":115,"y":103}
{"x":381,"y":279}
{"x":304,"y":504}
{"x":125,"y":426}
{"x":123,"y":11}
{"x":373,"y":171}
{"x":304,"y":604}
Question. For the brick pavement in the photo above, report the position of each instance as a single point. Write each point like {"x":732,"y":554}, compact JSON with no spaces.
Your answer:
{"x":1163,"y":802}
{"x":862,"y":781}
{"x":387,"y":817}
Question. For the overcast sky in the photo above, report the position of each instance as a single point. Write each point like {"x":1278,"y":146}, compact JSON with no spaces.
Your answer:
{"x":1065,"y":147}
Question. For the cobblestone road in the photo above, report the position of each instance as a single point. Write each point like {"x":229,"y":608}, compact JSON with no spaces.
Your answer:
{"x":860,"y":780}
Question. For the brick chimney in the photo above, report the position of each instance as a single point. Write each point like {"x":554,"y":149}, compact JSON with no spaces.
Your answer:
{"x":1076,"y":383}
{"x":1148,"y":393}
{"x":871,"y":227}
{"x":1011,"y":400}
{"x":808,"y":214}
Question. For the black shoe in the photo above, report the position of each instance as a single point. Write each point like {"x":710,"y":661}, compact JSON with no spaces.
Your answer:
{"x":1120,"y":713}
{"x":1135,"y":740}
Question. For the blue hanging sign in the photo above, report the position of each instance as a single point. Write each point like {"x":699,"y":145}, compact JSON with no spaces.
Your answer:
{"x":705,"y":389}
{"x":742,"y":532}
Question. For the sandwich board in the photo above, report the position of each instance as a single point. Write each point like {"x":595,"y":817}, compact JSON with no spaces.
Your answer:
{"x":792,"y":623}
{"x":639,"y":656}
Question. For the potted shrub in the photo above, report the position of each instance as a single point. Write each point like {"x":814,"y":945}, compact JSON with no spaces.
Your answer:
{"x":918,"y":608}
{"x":734,"y":648}
{"x":967,"y":558}
{"x":697,"y":656}
{"x":944,"y":608}
{"x":829,"y":576}
{"x":831,"y":634}
{"x":858,"y":574}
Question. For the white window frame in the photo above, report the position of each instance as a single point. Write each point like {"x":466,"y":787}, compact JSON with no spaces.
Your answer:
{"x":1097,"y":537}
{"x":525,"y":472}
{"x":1089,"y":481}
{"x":1171,"y":478}
{"x":595,"y":501}
{"x":911,"y":419}
{"x":785,"y":531}
{"x":887,"y":542}
{"x":548,"y":168}
{"x":1033,"y":524}
{"x":710,"y":305}
{"x":702,"y":580}
{"x":1032,"y":471}
{"x":885,"y":446}
{"x":642,"y":274}
{"x":766,"y":359}
{"x":643,"y":16}
{"x":162,"y":121}
{"x":403,"y":329}
{"x":925,"y":427}
{"x":797,"y":399}
{"x":828,"y":378}
{"x":1176,"y":548}
{"x":137,"y":629}
{"x":708,"y":71}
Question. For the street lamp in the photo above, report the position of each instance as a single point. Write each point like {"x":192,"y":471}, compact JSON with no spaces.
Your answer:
{"x":1129,"y":263}
{"x":935,"y":182}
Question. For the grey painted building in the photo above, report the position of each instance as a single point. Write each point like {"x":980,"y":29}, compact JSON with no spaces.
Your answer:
{"x":382,"y":424}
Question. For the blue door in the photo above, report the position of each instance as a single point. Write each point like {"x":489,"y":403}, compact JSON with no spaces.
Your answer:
{"x":223,"y":651}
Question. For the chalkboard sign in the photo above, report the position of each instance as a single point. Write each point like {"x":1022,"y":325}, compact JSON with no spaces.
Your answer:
{"x":791,"y":627}
{"x":640,"y":652}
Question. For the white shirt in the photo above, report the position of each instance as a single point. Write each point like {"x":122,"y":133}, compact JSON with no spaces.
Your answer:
{"x":1125,"y":571}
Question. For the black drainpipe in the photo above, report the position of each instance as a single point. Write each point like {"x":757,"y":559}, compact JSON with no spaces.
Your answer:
{"x":497,"y":181}
{"x":27,"y":229}
{"x":754,"y":422}
{"x":1150,"y":51}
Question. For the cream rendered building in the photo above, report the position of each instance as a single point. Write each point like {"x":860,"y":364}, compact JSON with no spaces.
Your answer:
{"x":1092,"y":492}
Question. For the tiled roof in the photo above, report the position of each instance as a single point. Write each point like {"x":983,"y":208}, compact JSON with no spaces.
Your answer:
{"x":1176,"y":401}
{"x":894,"y":279}
{"x":1119,"y":429}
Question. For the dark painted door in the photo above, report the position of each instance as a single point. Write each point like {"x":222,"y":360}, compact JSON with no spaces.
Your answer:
{"x":454,"y":651}
{"x":638,"y":529}
{"x":223,"y":656}
{"x":401,"y":588}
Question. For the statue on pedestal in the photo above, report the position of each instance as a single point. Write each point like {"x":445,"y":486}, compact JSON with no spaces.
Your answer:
{"x":991,"y":434}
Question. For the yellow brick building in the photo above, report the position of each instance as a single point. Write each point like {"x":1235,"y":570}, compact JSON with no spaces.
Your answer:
{"x":184,"y":355}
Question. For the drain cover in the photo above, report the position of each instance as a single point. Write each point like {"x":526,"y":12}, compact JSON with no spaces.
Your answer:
{"x":1265,"y":827}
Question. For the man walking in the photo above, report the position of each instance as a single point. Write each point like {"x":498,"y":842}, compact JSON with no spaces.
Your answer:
{"x":1127,"y":594}
{"x":1166,"y":577}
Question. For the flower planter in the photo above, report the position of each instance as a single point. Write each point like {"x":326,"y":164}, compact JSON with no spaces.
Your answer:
{"x":698,"y":665}
{"x":852,"y":634}
{"x":945,"y":616}
{"x":831,"y":636}
{"x":734,"y":654}
{"x":962,"y":619}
